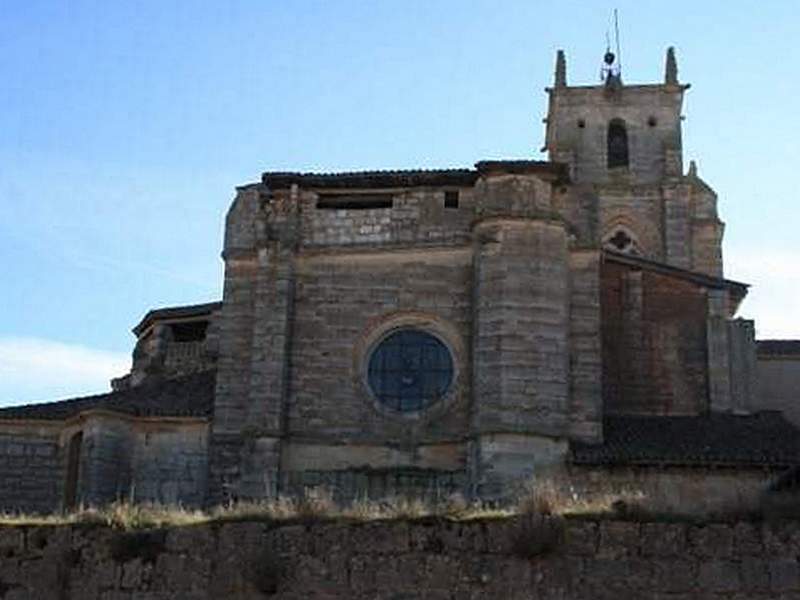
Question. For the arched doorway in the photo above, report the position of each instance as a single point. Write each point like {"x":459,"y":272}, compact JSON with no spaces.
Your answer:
{"x":72,"y":481}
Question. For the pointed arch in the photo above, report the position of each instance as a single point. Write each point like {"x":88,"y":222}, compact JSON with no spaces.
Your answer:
{"x":617,"y":144}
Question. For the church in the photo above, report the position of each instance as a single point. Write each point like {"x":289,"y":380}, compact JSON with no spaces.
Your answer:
{"x":433,"y":332}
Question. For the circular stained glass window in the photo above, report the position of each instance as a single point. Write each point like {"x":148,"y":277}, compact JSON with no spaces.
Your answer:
{"x":409,"y":370}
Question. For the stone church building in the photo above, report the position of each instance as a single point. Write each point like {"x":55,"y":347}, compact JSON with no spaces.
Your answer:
{"x":438,"y":331}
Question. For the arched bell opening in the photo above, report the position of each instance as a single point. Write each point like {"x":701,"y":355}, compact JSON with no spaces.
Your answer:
{"x":617,"y":144}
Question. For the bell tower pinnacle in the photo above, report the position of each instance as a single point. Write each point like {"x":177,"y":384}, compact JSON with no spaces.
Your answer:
{"x":671,"y":68}
{"x":561,"y":70}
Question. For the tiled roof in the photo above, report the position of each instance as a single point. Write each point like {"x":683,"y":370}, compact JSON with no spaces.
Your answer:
{"x":777,"y":347}
{"x":371,"y":179}
{"x":187,"y":396}
{"x":761,"y":439}
{"x":176,"y":312}
{"x":550,"y":170}
{"x":414,"y":177}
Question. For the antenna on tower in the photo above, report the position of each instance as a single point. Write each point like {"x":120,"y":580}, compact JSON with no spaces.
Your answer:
{"x":611,"y":71}
{"x":616,"y":36}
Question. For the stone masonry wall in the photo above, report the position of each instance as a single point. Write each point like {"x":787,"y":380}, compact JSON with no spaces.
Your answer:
{"x":170,"y":464}
{"x":514,"y":558}
{"x":777,"y":378}
{"x":315,"y":278}
{"x":638,"y":210}
{"x":344,"y":303}
{"x":416,"y":216}
{"x":30,"y":469}
{"x":106,"y":457}
{"x":578,"y":119}
{"x":120,"y":458}
{"x":698,"y":491}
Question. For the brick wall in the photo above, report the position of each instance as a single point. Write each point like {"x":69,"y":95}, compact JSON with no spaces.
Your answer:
{"x":654,"y":343}
{"x":508,"y":558}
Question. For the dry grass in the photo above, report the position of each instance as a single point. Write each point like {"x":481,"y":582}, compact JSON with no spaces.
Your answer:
{"x":548,"y":497}
{"x":558,"y":496}
{"x":118,"y":515}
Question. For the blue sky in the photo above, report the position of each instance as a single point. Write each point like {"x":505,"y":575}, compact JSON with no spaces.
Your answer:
{"x":124,"y":127}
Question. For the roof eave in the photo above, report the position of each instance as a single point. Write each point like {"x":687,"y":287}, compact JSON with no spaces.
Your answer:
{"x":701,"y":278}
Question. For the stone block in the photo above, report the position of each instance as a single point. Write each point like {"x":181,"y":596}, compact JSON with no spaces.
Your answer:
{"x":581,"y":538}
{"x":712,"y":540}
{"x":676,"y":575}
{"x":754,"y":574}
{"x":618,"y":539}
{"x":718,"y":576}
{"x":784,"y":575}
{"x":747,"y":539}
{"x":380,"y":538}
{"x":663,"y":539}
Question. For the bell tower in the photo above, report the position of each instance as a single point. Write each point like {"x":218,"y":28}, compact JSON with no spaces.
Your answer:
{"x":616,"y":132}
{"x":622,"y":143}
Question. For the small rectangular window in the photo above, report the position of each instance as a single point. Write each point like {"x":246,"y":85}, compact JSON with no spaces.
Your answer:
{"x":451,"y":199}
{"x":190,"y":331}
{"x":354,"y":201}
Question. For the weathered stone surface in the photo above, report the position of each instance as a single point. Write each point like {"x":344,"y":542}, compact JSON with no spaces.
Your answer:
{"x":393,"y":560}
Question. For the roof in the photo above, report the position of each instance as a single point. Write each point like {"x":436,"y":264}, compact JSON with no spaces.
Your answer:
{"x":415,"y":177}
{"x":761,"y":439}
{"x":371,"y":179}
{"x":187,"y":396}
{"x":693,"y":276}
{"x":176,"y":312}
{"x":778,"y":347}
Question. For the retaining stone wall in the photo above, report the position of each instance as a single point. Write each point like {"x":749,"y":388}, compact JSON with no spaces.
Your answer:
{"x":509,"y":559}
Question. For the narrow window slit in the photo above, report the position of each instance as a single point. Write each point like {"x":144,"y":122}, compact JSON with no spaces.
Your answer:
{"x":355,"y":201}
